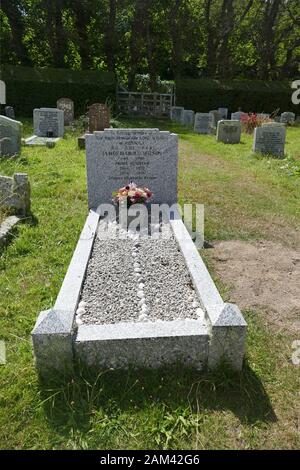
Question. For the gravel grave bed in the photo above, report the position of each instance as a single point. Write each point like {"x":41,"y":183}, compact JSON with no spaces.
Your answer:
{"x":136,"y":279}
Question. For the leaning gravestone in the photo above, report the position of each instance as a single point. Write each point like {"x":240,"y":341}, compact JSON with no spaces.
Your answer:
{"x":99,"y":117}
{"x":9,"y":112}
{"x":203,"y":122}
{"x":187,"y":118}
{"x":229,"y":132}
{"x":224,"y":113}
{"x":176,"y":113}
{"x":270,"y":139}
{"x":287,"y":118}
{"x":67,"y":106}
{"x":48,"y":122}
{"x":10,"y":136}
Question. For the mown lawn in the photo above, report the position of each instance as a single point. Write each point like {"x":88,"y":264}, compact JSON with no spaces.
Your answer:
{"x":246,"y":197}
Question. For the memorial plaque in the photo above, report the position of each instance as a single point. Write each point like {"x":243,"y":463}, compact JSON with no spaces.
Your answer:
{"x":10,"y":136}
{"x":229,"y":132}
{"x":187,"y":118}
{"x":99,"y":117}
{"x":203,"y":122}
{"x":270,"y":139}
{"x":48,"y":122}
{"x":176,"y":113}
{"x":67,"y":106}
{"x":115,"y":157}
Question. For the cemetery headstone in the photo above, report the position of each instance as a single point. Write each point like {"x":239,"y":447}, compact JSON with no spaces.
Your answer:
{"x":48,"y":122}
{"x":270,"y":139}
{"x":263,"y":116}
{"x":187,"y":118}
{"x":15,"y":192}
{"x":215,"y":118}
{"x":229,"y":132}
{"x":176,"y":113}
{"x":223,"y":112}
{"x":203,"y":123}
{"x":67,"y":106}
{"x":287,"y":118}
{"x":9,"y":112}
{"x":117,"y":156}
{"x":238,"y":116}
{"x":99,"y":117}
{"x":2,"y":92}
{"x":10,"y":136}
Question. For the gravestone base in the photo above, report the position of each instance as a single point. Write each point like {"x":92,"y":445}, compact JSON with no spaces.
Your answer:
{"x":40,"y":141}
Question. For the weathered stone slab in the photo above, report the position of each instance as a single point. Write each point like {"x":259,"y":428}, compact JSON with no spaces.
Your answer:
{"x":9,"y":112}
{"x":99,"y":117}
{"x":270,"y":139}
{"x":115,"y":157}
{"x":6,"y":228}
{"x":203,"y":122}
{"x":10,"y":136}
{"x":48,"y":122}
{"x":15,"y":193}
{"x":224,"y":113}
{"x":288,"y":118}
{"x":229,"y":132}
{"x":67,"y":106}
{"x":176,"y":113}
{"x":41,"y":141}
{"x":187,"y":118}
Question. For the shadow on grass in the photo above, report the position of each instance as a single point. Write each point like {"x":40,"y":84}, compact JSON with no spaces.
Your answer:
{"x":72,"y":404}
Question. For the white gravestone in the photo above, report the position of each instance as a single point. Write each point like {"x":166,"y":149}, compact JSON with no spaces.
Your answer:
{"x":115,"y":157}
{"x":187,"y":118}
{"x":229,"y":132}
{"x":176,"y":113}
{"x":10,"y":136}
{"x":203,"y":122}
{"x":288,"y":118}
{"x":48,"y":120}
{"x":270,"y":139}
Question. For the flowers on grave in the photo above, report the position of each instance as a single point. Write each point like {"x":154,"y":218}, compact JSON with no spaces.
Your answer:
{"x":252,"y":120}
{"x":132,"y":194}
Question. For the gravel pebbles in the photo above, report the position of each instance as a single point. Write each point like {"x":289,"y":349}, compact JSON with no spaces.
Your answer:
{"x":136,"y":279}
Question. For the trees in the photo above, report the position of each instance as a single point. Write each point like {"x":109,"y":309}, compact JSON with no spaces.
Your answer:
{"x":214,"y":38}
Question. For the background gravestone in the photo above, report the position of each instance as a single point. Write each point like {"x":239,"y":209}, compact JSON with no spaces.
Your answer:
{"x":10,"y":137}
{"x":115,"y":157}
{"x":48,"y":120}
{"x":215,"y":118}
{"x":229,"y":132}
{"x":202,"y":123}
{"x":187,"y":118}
{"x":2,"y":92}
{"x":9,"y":112}
{"x":176,"y":113}
{"x":270,"y":139}
{"x":238,"y":116}
{"x":287,"y":118}
{"x":99,"y":117}
{"x":224,"y":113}
{"x":67,"y":106}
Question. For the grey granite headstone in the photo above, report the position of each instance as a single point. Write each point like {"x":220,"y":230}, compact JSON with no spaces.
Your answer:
{"x":115,"y":157}
{"x":67,"y":106}
{"x":238,"y":116}
{"x":215,"y":118}
{"x":10,"y":136}
{"x":187,"y":118}
{"x":229,"y":132}
{"x":9,"y":112}
{"x":288,"y":118}
{"x":203,"y":122}
{"x":47,"y":120}
{"x":270,"y":139}
{"x":223,"y":112}
{"x":176,"y":113}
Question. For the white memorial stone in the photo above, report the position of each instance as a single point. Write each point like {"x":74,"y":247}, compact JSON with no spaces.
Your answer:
{"x":48,"y":122}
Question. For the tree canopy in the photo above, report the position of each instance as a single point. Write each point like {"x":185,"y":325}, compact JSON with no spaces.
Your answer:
{"x":163,"y":38}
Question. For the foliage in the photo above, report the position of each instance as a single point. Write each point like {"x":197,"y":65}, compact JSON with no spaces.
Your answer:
{"x":251,"y":121}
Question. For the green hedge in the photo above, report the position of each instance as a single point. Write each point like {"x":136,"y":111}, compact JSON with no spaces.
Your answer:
{"x":28,"y":88}
{"x":203,"y":95}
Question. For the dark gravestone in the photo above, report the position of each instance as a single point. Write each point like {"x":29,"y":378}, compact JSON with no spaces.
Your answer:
{"x":67,"y":106}
{"x":99,"y":117}
{"x":9,"y":112}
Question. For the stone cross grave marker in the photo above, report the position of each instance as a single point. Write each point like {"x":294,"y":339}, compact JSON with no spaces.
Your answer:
{"x":10,"y":137}
{"x":99,"y":117}
{"x":203,"y":121}
{"x":115,"y":157}
{"x":229,"y":132}
{"x":176,"y":113}
{"x":48,"y":122}
{"x":187,"y":118}
{"x":270,"y":139}
{"x":67,"y":106}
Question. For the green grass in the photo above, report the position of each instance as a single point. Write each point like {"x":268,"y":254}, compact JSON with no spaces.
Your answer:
{"x":245,"y":198}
